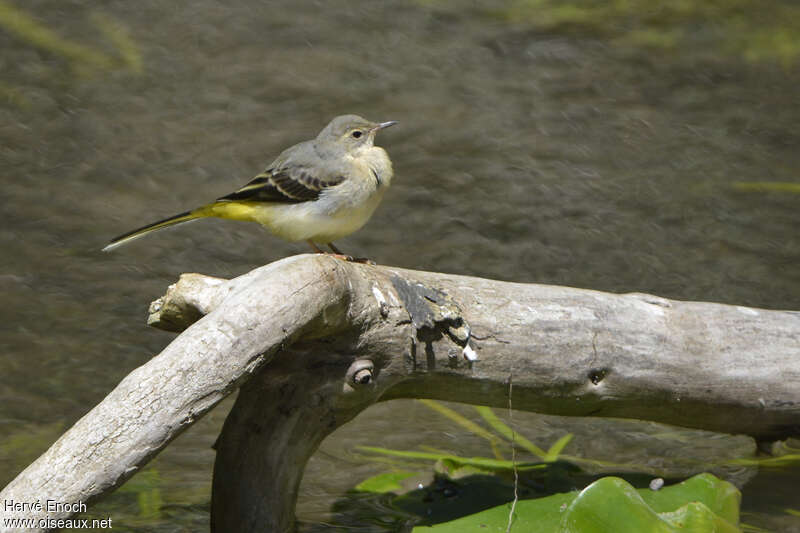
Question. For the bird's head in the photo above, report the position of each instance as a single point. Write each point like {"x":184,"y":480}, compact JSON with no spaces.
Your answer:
{"x":351,"y":132}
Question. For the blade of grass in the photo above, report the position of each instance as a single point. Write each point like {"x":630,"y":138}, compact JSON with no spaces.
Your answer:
{"x":465,"y":423}
{"x":501,"y":427}
{"x":556,"y":449}
{"x":27,"y":28}
{"x":119,"y":36}
{"x":767,"y":186}
{"x":482,"y":463}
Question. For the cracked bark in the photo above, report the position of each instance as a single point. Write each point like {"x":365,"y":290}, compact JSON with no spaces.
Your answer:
{"x":312,"y":341}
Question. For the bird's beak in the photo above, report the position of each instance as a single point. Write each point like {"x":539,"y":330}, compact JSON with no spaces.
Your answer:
{"x":384,"y":125}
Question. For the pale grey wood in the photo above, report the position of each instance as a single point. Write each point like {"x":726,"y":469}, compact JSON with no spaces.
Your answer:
{"x":160,"y":399}
{"x":317,"y":326}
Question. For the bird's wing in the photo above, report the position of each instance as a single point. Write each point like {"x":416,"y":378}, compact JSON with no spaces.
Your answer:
{"x":288,"y":184}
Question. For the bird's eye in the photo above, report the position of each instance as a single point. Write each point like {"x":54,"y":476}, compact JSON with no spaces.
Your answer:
{"x":356,"y":134}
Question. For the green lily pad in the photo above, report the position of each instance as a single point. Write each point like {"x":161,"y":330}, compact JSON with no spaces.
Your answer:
{"x":702,"y":504}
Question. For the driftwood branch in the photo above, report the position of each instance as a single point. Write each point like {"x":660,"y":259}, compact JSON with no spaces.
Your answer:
{"x":312,"y":341}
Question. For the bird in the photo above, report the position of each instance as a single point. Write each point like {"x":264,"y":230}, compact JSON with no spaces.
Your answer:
{"x":316,"y":191}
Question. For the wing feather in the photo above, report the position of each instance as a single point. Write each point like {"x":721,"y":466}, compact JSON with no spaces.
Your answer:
{"x":290,"y":184}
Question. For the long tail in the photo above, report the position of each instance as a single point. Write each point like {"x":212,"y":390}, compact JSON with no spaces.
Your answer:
{"x":188,"y":216}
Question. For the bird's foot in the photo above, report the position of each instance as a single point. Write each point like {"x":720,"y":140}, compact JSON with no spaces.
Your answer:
{"x":351,"y":259}
{"x":343,"y":256}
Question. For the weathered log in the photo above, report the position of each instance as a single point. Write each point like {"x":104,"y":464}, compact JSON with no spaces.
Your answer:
{"x":312,"y":341}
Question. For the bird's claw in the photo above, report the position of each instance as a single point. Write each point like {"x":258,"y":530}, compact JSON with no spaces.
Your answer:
{"x":351,"y":259}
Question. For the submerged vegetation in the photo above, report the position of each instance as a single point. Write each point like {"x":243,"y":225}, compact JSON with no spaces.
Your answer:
{"x":549,"y":487}
{"x":83,"y":60}
{"x":756,"y":31}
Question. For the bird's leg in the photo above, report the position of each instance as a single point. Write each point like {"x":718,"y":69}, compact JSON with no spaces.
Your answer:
{"x":335,"y":249}
{"x":338,"y":253}
{"x":315,"y":247}
{"x":346,"y":257}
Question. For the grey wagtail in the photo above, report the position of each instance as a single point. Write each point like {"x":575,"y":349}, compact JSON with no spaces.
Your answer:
{"x":316,"y":191}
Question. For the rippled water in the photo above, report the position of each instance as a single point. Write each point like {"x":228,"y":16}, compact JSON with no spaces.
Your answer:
{"x":523,"y":153}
